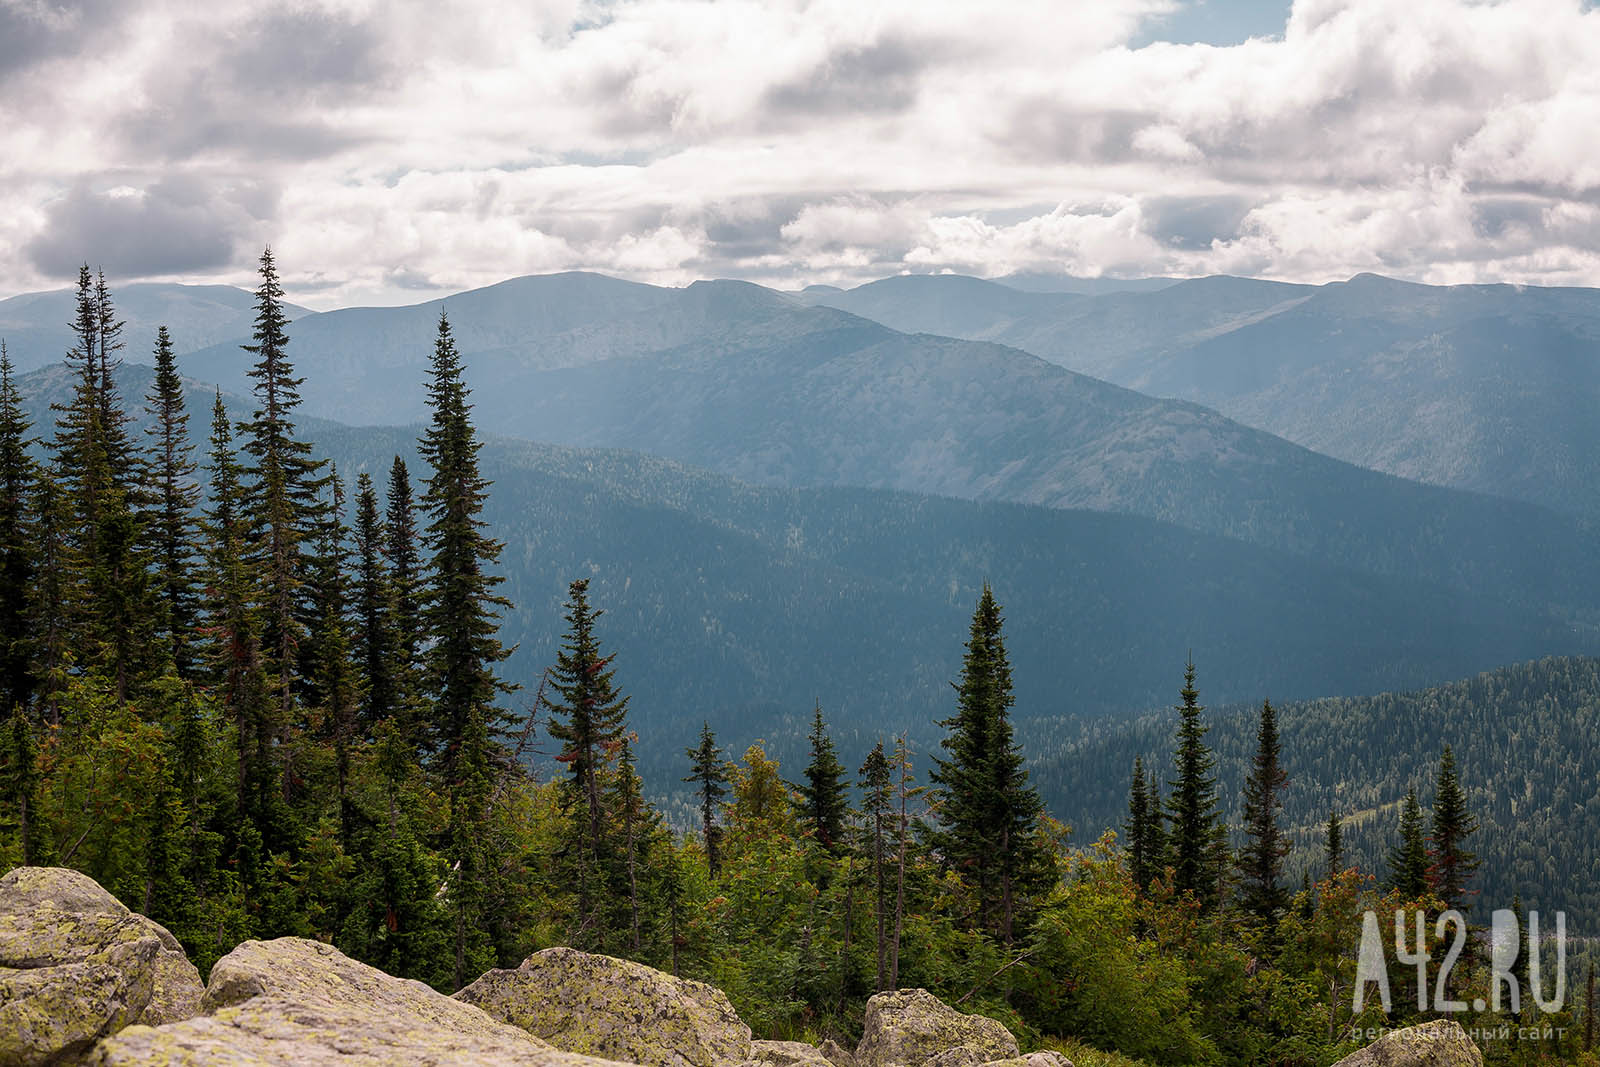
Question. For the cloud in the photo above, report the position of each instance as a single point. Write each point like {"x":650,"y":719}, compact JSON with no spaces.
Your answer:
{"x":389,"y":147}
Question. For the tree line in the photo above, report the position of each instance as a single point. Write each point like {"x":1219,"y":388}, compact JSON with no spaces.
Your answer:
{"x":255,"y":699}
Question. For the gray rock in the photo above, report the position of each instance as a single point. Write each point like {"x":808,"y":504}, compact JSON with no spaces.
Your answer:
{"x":836,"y":1053}
{"x":909,"y":1027}
{"x":76,"y":966}
{"x":293,"y":1001}
{"x":600,"y":1006}
{"x":785,"y":1054}
{"x":1440,"y":1043}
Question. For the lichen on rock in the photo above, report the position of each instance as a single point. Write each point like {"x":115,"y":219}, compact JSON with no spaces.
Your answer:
{"x":786,"y":1054}
{"x":1440,"y":1043}
{"x":76,"y":965}
{"x":909,"y":1027}
{"x":616,"y":1009}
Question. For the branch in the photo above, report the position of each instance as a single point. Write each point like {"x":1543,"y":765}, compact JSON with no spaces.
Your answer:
{"x":1004,"y":967}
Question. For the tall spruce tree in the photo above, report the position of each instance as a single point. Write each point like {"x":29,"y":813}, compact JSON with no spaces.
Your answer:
{"x":1451,"y":865}
{"x":1192,"y":806}
{"x":1408,"y":861}
{"x":171,"y":521}
{"x":18,"y":555}
{"x":877,"y":804}
{"x":1141,"y":865}
{"x":282,"y":483}
{"x":709,"y":775}
{"x":823,"y":803}
{"x":588,"y":715}
{"x":1266,"y":846}
{"x":375,"y":638}
{"x":333,"y":681}
{"x":988,"y":812}
{"x":461,"y":618}
{"x":405,"y":588}
{"x":50,"y":596}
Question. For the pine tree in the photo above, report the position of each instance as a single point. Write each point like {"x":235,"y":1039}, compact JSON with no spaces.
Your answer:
{"x":1451,"y":865}
{"x":18,"y":556}
{"x":989,"y":812}
{"x":1196,"y":826}
{"x":171,"y":523}
{"x":823,"y":803}
{"x":282,"y":484}
{"x":50,"y":596}
{"x":333,"y":683}
{"x":1266,"y":846}
{"x":1140,"y":866}
{"x":877,"y":790}
{"x":461,"y":618}
{"x":1408,"y":861}
{"x":709,"y":775}
{"x":1333,"y":844}
{"x":589,"y":717}
{"x":375,"y":638}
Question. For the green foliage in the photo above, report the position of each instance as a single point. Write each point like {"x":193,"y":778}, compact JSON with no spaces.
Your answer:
{"x":1197,"y":829}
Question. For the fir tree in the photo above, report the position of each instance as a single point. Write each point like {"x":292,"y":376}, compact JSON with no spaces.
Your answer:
{"x":171,"y":524}
{"x":50,"y":596}
{"x":1408,"y":861}
{"x":332,"y":682}
{"x":589,"y":717}
{"x":877,"y":789}
{"x":405,"y":583}
{"x":1140,"y":865}
{"x":282,"y":483}
{"x":823,"y":803}
{"x":1266,"y":846}
{"x":709,"y":775}
{"x":461,"y":618}
{"x":1333,"y":844}
{"x":375,"y":639}
{"x":18,"y":555}
{"x":989,"y":812}
{"x":1451,"y":865}
{"x":1196,"y":826}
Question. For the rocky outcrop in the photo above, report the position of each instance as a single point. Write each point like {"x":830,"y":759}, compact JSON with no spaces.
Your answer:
{"x":293,"y":1001}
{"x":600,"y":1006}
{"x":785,"y":1054}
{"x":1440,"y":1043}
{"x":836,"y":1053}
{"x":76,"y":966}
{"x":911,"y":1027}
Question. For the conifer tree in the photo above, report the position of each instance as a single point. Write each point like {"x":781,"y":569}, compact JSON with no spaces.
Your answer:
{"x":823,"y":803}
{"x":18,"y":675}
{"x":1192,"y":806}
{"x":1140,"y":865}
{"x":333,"y":683}
{"x":375,"y":639}
{"x":877,"y":789}
{"x":709,"y":775}
{"x":50,"y":597}
{"x":988,"y":811}
{"x":1266,"y":846}
{"x":589,"y":717}
{"x":405,"y":582}
{"x":282,"y":484}
{"x":461,"y":618}
{"x":1408,"y":861}
{"x":19,"y":779}
{"x":171,"y":523}
{"x":1451,"y":865}
{"x":233,"y":629}
{"x":1333,"y":844}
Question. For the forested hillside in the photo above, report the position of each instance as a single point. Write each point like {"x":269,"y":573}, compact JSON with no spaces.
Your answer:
{"x":1526,"y":737}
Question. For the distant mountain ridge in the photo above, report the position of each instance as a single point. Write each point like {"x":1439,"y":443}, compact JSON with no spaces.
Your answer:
{"x":1492,"y":388}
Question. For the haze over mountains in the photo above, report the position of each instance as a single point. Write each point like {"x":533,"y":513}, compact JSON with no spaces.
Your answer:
{"x":1486,"y":387}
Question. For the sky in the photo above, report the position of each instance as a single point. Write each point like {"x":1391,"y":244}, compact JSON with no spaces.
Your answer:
{"x":393,"y":150}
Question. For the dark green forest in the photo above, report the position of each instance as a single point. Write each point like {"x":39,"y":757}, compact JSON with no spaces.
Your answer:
{"x":254,"y":698}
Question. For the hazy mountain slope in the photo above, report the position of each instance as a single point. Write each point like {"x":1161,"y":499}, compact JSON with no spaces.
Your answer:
{"x":1491,"y":388}
{"x":1526,"y":738}
{"x":760,"y":387}
{"x":743,"y":604}
{"x":37,"y":330}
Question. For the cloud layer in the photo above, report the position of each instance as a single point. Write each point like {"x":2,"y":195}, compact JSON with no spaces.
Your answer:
{"x":387,"y":148}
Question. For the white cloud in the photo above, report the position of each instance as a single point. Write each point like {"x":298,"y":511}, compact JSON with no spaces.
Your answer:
{"x":793,"y":141}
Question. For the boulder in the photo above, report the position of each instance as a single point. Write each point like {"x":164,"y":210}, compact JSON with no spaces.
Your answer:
{"x":836,"y":1053}
{"x":76,"y":966}
{"x":1033,"y":1059}
{"x":293,"y":1001}
{"x":786,"y":1054}
{"x":1440,"y":1043}
{"x":909,"y":1027}
{"x":600,"y":1006}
